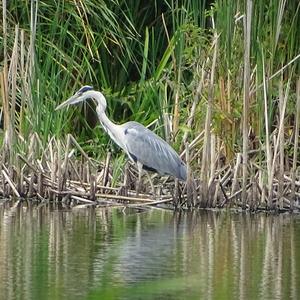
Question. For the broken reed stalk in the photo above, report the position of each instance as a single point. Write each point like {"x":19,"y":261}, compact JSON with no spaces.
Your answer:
{"x":296,"y":143}
{"x":246,"y":101}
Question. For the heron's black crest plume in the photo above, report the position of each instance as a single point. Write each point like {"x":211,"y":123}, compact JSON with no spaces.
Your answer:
{"x":85,"y":89}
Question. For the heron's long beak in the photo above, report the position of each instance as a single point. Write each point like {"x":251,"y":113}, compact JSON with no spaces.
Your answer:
{"x":72,"y":100}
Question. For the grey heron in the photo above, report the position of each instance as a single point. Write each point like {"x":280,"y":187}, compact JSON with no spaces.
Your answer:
{"x":149,"y":151}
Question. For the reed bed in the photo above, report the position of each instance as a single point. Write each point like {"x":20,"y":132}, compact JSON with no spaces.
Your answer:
{"x":63,"y":172}
{"x":219,"y":82}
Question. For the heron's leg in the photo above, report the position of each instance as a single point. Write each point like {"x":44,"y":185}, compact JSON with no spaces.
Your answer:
{"x":151,"y":183}
{"x":138,"y":186}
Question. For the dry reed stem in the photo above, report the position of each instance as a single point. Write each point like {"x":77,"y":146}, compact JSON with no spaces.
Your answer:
{"x":81,"y":150}
{"x":216,"y":194}
{"x":177,"y":71}
{"x":268,"y":144}
{"x":40,"y":186}
{"x":276,"y":73}
{"x":4,"y":28}
{"x":281,"y":146}
{"x":13,"y":74}
{"x":194,"y":106}
{"x":11,"y":184}
{"x":76,"y":172}
{"x":236,"y":171}
{"x":296,"y":144}
{"x":106,"y":169}
{"x":193,"y":143}
{"x":246,"y":98}
{"x":276,"y":141}
{"x":93,"y":188}
{"x":204,"y":175}
{"x":227,"y":176}
{"x":77,"y":198}
{"x":226,"y":199}
{"x":31,"y":52}
{"x":213,"y":159}
{"x":117,"y":197}
{"x":150,"y":203}
{"x":190,"y":184}
{"x":6,"y":114}
{"x":59,"y":167}
{"x":4,"y":83}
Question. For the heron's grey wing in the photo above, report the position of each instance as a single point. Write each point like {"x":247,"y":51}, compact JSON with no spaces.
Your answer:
{"x":152,"y":151}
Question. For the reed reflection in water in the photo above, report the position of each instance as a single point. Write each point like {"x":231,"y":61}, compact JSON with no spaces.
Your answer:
{"x":52,"y":253}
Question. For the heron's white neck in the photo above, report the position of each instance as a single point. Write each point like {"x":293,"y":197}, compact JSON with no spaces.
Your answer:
{"x":114,"y":130}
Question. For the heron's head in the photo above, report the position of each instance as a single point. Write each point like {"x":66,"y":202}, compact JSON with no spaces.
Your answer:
{"x":84,"y":93}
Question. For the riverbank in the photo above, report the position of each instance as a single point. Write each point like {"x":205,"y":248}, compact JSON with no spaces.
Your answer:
{"x":63,"y":172}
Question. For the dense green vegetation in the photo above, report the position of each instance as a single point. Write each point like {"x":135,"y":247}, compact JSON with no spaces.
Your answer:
{"x":179,"y":65}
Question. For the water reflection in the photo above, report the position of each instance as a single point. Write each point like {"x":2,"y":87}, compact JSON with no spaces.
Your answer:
{"x":51,"y":253}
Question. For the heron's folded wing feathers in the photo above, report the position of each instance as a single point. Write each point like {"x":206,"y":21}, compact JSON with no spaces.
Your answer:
{"x":152,"y":151}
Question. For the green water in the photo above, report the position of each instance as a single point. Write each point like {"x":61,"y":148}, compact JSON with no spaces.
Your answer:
{"x":48,"y":253}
